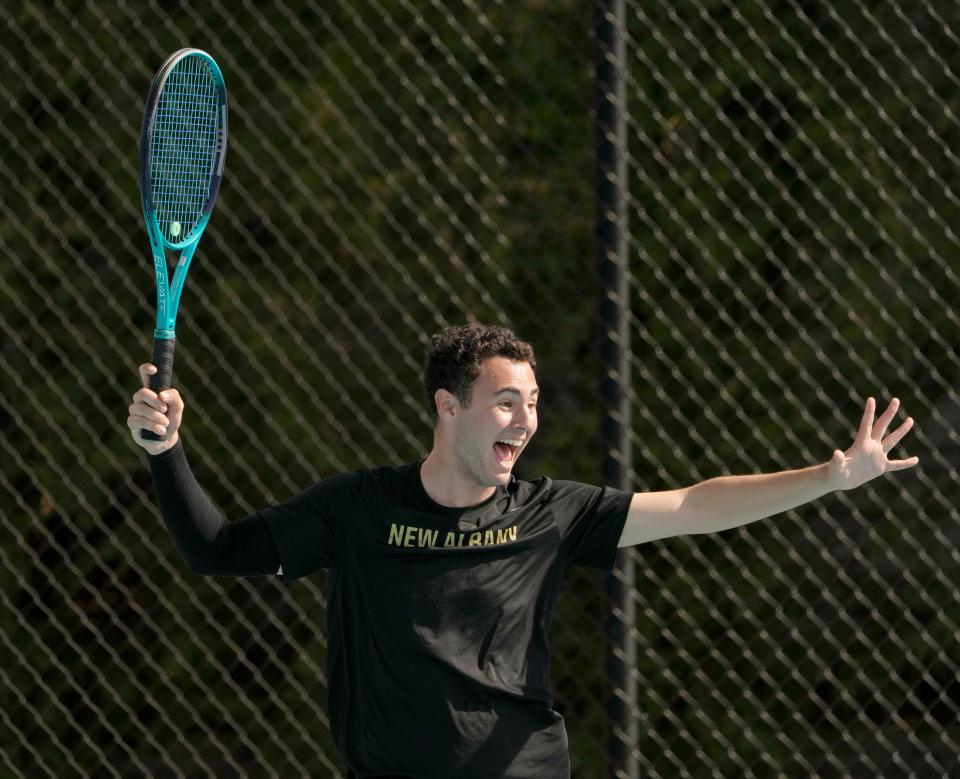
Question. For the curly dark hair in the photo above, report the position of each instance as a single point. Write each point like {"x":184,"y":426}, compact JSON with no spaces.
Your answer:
{"x":456,"y":354}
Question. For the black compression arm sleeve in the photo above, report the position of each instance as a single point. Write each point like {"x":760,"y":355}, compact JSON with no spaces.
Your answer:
{"x":210,"y":544}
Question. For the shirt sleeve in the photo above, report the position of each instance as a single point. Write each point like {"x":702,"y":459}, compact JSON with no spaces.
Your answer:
{"x":310,"y":529}
{"x":591,"y":521}
{"x":208,"y":543}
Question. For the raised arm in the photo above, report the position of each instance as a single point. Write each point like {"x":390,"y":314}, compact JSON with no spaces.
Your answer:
{"x":208,"y":543}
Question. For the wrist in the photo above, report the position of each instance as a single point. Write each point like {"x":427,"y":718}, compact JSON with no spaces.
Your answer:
{"x":834,"y":473}
{"x":155,"y":450}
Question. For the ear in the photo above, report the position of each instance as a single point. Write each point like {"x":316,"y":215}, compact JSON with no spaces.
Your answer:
{"x":446,"y":402}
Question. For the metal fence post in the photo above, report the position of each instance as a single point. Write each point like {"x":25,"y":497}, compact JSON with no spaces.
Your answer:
{"x":615,"y":345}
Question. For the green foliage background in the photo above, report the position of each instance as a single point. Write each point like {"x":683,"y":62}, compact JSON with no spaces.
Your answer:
{"x":397,"y":167}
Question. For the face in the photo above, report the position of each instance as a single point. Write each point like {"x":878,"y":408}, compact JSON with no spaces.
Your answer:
{"x":503,"y":406}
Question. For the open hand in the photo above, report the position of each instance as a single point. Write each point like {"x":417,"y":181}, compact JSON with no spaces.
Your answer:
{"x":867,"y":457}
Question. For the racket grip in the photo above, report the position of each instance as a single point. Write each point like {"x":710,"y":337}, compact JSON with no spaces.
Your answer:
{"x":163,"y":349}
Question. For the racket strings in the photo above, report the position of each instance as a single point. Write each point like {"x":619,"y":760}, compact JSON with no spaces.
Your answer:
{"x":185,"y":147}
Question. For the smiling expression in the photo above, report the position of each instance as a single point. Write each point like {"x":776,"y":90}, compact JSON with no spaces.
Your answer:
{"x":503,"y":406}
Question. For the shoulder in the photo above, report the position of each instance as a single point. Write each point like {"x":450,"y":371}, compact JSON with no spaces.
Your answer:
{"x":578,"y":499}
{"x":388,"y":480}
{"x":368,"y":476}
{"x":545,"y":489}
{"x":523,"y":492}
{"x":567,"y":489}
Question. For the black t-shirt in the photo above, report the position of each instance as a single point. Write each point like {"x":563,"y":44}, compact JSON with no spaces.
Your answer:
{"x":438,"y":661}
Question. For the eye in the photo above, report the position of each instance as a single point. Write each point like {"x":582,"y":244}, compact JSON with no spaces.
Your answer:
{"x":505,"y":403}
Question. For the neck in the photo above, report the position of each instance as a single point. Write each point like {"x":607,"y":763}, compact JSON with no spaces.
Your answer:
{"x":447,"y":485}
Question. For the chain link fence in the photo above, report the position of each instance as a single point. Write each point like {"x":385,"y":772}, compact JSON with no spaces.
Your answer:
{"x":396,"y":167}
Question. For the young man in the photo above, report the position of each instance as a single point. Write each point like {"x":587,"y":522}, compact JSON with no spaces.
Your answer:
{"x":443,"y":573}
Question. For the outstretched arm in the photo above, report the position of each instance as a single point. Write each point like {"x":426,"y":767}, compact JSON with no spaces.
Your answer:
{"x":730,"y":501}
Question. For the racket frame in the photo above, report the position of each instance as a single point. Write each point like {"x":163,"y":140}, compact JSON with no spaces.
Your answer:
{"x":169,"y":293}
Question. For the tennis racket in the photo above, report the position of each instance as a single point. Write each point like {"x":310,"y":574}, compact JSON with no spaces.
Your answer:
{"x":183,"y":142}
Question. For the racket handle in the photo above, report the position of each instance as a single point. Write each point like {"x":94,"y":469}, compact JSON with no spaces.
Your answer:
{"x":163,"y":359}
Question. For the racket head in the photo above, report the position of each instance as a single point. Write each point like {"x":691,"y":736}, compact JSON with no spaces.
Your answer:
{"x":183,"y":144}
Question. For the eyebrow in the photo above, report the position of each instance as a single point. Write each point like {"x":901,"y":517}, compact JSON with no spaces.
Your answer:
{"x":515,"y":391}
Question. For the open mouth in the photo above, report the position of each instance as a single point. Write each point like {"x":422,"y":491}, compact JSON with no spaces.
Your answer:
{"x":505,"y":452}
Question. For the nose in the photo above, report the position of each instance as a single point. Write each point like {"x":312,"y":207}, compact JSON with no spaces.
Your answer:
{"x":523,"y":421}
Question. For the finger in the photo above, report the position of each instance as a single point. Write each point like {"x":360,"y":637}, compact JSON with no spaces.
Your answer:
{"x":146,"y":412}
{"x":897,"y":435}
{"x":896,"y":465}
{"x":170,"y":395}
{"x":880,"y":428}
{"x":168,"y":404}
{"x":149,"y":418}
{"x":146,"y":370}
{"x":137,"y":423}
{"x":867,"y":422}
{"x":149,"y":398}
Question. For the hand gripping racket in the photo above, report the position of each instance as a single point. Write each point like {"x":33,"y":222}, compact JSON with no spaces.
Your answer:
{"x":183,"y":143}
